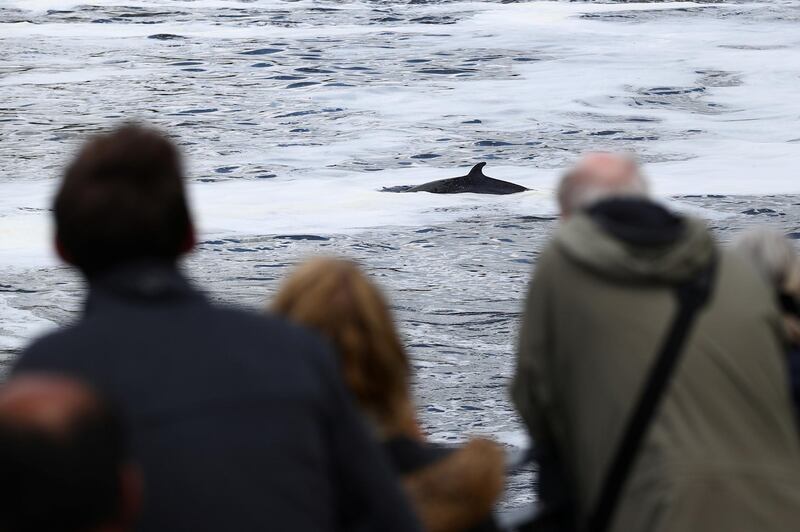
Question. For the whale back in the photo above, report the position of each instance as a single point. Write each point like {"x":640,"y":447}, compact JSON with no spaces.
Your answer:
{"x":473,"y":182}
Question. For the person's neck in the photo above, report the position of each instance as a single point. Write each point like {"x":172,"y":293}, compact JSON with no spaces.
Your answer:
{"x":132,"y":267}
{"x":147,"y":279}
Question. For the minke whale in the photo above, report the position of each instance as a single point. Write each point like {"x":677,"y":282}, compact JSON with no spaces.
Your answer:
{"x":474,"y":182}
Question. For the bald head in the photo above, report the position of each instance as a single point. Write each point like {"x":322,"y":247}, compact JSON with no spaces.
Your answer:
{"x":47,"y":404}
{"x":599,"y":176}
{"x":63,"y":459}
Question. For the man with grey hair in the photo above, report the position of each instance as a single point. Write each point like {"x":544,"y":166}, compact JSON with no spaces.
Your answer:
{"x":599,"y":176}
{"x":716,"y":448}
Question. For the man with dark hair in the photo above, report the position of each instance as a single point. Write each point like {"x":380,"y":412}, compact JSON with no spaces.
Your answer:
{"x":122,"y":199}
{"x":63,"y":460}
{"x":239,"y":422}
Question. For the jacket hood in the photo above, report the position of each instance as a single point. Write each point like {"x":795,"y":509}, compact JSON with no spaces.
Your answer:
{"x":636,"y":240}
{"x":459,"y":491}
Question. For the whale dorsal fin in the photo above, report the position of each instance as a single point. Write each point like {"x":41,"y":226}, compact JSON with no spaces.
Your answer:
{"x":477,"y":170}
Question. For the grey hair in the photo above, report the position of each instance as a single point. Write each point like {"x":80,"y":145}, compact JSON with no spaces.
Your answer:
{"x":582,"y":186}
{"x":772,"y":254}
{"x":578,"y":196}
{"x":575,"y":194}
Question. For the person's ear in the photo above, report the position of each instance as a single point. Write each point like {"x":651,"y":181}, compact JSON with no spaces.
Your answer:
{"x":62,"y":252}
{"x":189,"y":240}
{"x":131,"y":495}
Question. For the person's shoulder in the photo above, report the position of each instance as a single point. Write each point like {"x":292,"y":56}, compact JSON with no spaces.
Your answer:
{"x":53,"y":351}
{"x":550,"y":253}
{"x":277,"y":334}
{"x":733,"y":260}
{"x":741,"y":291}
{"x":299,"y":357}
{"x":738,"y":272}
{"x":549,"y":260}
{"x":263,"y":324}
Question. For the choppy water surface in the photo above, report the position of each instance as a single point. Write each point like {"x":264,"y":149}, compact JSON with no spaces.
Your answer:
{"x":294,"y":114}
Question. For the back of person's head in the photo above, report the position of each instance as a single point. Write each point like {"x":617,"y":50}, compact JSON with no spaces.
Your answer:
{"x":122,"y":199}
{"x":599,"y":176}
{"x":63,"y":459}
{"x":773,"y":256}
{"x":335,"y":298}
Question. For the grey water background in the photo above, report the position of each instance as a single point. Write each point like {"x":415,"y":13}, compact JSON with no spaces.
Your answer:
{"x":249,"y":83}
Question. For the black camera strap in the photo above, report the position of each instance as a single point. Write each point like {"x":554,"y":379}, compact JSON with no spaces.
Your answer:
{"x":691,"y":296}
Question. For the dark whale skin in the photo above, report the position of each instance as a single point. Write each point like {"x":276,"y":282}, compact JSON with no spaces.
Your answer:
{"x":474,"y":182}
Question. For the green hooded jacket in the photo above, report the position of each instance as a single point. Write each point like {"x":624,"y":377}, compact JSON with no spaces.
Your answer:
{"x":722,"y":453}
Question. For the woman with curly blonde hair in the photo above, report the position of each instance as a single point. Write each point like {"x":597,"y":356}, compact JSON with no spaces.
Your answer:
{"x":450,"y":489}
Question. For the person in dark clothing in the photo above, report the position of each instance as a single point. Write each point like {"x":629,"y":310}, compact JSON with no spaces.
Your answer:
{"x":238,"y":422}
{"x":63,"y":460}
{"x":452,"y":489}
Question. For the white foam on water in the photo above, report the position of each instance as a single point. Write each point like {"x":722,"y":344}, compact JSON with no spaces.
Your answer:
{"x":516,"y":438}
{"x":746,"y":149}
{"x":332,"y":202}
{"x":342,"y":204}
{"x":25,"y":225}
{"x":551,"y":69}
{"x":49,"y":76}
{"x":45,"y":5}
{"x":18,"y":326}
{"x":588,"y":67}
{"x":189,"y":29}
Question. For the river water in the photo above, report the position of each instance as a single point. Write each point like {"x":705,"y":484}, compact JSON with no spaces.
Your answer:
{"x":293,"y":116}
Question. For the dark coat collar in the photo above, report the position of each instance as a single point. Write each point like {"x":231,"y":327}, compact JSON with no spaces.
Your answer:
{"x":144,"y":281}
{"x":638,"y":221}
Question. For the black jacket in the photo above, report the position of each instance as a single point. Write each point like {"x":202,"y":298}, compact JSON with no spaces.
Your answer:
{"x":239,"y":421}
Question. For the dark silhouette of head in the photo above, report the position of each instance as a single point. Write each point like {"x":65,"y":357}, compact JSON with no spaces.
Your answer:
{"x":122,"y":199}
{"x":63,"y":460}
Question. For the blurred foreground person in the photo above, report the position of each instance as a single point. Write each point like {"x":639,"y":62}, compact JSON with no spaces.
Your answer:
{"x":776,"y":259}
{"x":451,"y":489}
{"x":625,"y":285}
{"x":238,"y":422}
{"x":64,"y":460}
